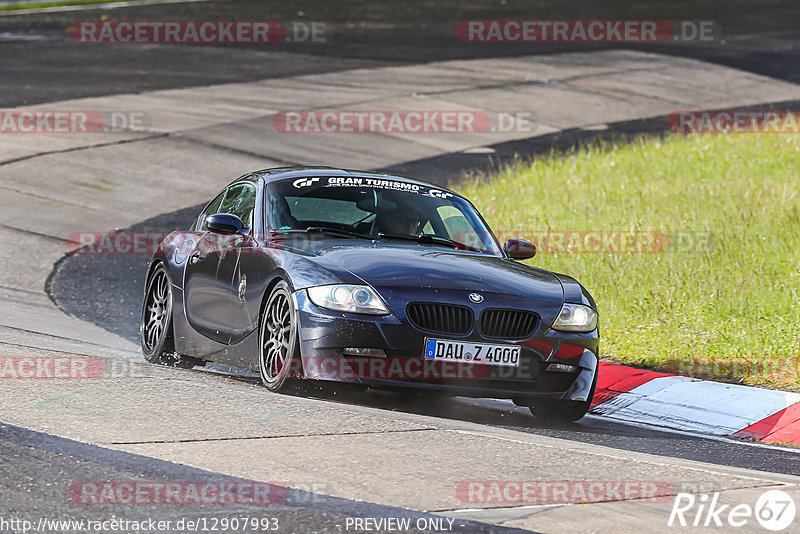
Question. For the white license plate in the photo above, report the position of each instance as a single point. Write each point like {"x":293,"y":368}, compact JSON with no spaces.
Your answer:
{"x":468,"y":352}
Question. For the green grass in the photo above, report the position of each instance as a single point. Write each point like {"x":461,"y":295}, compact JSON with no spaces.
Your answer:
{"x":730,"y":311}
{"x":39,"y":5}
{"x":784,"y":444}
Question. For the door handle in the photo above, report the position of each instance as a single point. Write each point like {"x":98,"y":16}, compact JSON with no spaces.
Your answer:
{"x":194,"y":258}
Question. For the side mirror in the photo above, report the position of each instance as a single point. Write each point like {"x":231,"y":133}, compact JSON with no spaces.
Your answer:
{"x":224,"y":223}
{"x":519,"y":249}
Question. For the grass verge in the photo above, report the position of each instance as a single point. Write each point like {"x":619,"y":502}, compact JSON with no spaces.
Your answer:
{"x":40,"y":5}
{"x":716,"y":296}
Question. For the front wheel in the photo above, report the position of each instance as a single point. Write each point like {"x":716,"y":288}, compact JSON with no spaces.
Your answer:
{"x":563,"y":411}
{"x":279,"y":342}
{"x":560,"y":412}
{"x":155,"y":333}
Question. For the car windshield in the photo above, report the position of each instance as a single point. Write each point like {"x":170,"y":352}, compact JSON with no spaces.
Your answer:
{"x":377,"y":208}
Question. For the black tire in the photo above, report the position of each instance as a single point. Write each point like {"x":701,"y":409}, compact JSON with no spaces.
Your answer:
{"x":279,"y":343}
{"x":155,"y":331}
{"x":560,"y":412}
{"x":563,"y":411}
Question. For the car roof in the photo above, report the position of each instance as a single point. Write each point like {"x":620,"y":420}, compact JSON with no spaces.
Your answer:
{"x":281,"y":173}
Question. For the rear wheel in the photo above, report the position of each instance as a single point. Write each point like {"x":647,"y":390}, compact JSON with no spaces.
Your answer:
{"x":156,"y":337}
{"x":279,"y":342}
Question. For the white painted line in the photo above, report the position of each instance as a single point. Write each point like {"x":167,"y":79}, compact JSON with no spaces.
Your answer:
{"x":6,"y":37}
{"x":499,"y":515}
{"x":87,"y":7}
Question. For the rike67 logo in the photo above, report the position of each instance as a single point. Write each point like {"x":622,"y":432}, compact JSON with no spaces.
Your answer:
{"x":774,"y":510}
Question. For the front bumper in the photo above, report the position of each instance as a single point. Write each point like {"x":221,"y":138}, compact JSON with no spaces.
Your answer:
{"x":325,"y":333}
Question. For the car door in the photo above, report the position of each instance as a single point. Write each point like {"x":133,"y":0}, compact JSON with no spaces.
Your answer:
{"x":250,"y":267}
{"x":209,"y":273}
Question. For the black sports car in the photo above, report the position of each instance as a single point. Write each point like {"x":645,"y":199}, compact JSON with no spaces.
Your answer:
{"x":325,"y":274}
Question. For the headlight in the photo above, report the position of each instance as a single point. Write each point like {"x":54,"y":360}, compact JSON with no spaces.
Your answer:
{"x":575,"y":318}
{"x":348,"y":298}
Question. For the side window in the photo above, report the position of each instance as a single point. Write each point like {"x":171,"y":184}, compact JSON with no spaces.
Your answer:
{"x":210,"y":210}
{"x":240,"y":201}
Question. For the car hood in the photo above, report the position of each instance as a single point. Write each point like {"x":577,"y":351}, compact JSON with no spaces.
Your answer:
{"x":435,"y":268}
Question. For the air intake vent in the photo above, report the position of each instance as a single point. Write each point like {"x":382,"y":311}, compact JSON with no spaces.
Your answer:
{"x":442,"y":318}
{"x":508,"y":324}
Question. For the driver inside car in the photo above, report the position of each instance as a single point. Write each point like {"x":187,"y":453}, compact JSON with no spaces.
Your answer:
{"x":398,"y":221}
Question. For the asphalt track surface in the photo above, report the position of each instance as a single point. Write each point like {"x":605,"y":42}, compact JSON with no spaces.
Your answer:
{"x":36,"y":50}
{"x":115,"y":282}
{"x":28,"y":458}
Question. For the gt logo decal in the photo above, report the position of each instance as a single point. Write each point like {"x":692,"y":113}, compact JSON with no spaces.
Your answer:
{"x":305,"y":182}
{"x":435,"y":193}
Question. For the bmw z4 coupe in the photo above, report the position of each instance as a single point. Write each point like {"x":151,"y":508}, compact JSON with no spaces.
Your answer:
{"x":318,"y":274}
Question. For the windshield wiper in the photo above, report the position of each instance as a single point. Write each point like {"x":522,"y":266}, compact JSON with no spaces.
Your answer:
{"x":321,"y":230}
{"x":427,"y":238}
